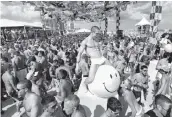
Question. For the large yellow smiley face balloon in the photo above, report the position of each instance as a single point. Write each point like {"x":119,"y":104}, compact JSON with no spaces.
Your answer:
{"x":106,"y":82}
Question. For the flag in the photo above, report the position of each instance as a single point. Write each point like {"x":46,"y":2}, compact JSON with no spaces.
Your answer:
{"x":155,"y":16}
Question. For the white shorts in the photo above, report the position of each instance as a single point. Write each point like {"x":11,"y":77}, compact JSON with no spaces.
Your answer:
{"x":98,"y":61}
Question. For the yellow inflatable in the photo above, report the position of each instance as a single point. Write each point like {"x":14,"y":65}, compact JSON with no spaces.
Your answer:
{"x":106,"y":82}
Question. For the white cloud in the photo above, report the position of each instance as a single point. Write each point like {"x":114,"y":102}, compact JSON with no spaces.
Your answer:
{"x":136,"y":13}
{"x":19,"y":12}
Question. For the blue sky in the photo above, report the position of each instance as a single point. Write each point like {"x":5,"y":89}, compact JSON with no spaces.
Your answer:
{"x":134,"y":13}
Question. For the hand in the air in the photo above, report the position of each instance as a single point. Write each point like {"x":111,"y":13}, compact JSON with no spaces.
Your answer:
{"x":77,"y":68}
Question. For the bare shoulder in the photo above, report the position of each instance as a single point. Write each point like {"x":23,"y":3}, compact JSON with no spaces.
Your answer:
{"x":35,"y":99}
{"x":84,"y":42}
{"x":79,"y":114}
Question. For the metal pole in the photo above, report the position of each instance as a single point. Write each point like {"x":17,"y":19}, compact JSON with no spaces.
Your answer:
{"x":117,"y":19}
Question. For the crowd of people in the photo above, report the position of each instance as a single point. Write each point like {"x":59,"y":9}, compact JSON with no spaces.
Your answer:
{"x":43,"y":76}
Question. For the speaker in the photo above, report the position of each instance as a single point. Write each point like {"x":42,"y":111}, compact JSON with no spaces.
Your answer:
{"x":120,"y":33}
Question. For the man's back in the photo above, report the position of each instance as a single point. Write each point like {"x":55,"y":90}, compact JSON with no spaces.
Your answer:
{"x":66,"y":85}
{"x":32,"y":105}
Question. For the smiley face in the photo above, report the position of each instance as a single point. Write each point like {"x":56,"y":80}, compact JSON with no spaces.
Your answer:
{"x":106,"y":82}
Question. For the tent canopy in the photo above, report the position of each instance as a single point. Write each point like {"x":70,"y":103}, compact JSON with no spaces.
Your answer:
{"x":11,"y":23}
{"x":143,"y":22}
{"x":82,"y":30}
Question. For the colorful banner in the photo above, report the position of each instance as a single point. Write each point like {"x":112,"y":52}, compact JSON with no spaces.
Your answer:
{"x":155,"y":16}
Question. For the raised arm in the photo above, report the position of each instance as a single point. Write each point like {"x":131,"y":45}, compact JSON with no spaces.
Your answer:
{"x":81,"y":50}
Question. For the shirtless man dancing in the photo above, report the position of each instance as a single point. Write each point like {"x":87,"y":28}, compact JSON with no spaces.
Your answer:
{"x":92,"y":46}
{"x":31,"y":101}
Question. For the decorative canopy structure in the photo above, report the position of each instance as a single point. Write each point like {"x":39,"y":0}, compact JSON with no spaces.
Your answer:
{"x":82,"y":30}
{"x":143,"y":22}
{"x":11,"y":23}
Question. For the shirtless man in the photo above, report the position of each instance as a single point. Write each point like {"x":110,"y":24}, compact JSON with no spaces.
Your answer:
{"x":10,"y":82}
{"x":92,"y":45}
{"x":65,"y":86}
{"x":113,"y":108}
{"x":31,"y":101}
{"x":19,"y":67}
{"x":72,"y":107}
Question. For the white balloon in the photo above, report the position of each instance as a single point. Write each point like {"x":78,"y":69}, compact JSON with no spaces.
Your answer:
{"x":168,"y":48}
{"x":106,"y":82}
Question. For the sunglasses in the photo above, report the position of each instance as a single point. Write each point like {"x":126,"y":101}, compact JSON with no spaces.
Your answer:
{"x":20,"y":89}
